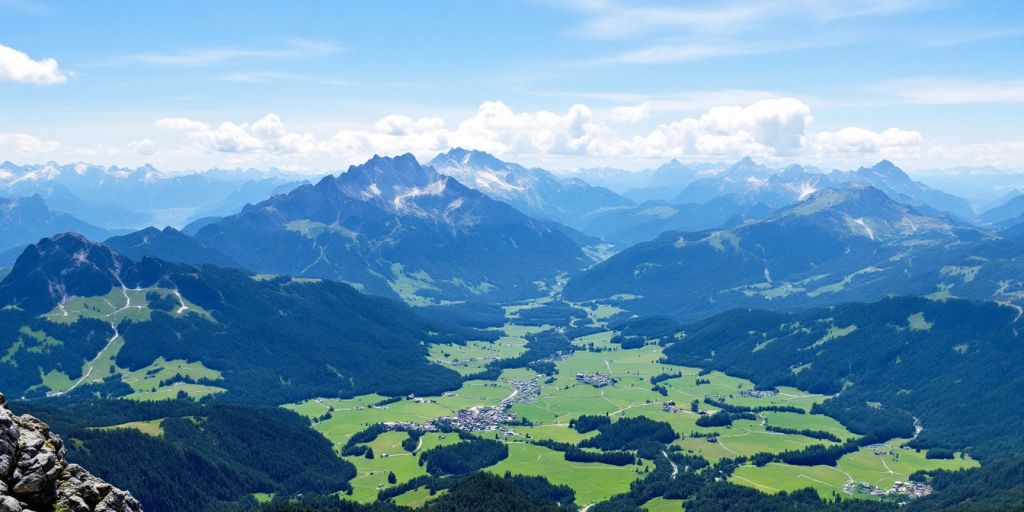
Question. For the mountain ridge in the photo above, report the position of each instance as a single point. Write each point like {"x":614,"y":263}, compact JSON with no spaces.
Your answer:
{"x":837,"y":245}
{"x":394,"y":227}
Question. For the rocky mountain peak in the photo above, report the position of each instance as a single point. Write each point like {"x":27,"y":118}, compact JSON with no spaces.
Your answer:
{"x":53,"y":269}
{"x":387,"y":178}
{"x":36,"y":476}
{"x":460,"y":157}
{"x":886,"y":170}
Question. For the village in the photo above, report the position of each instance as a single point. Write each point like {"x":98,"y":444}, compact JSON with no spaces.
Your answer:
{"x":594,"y":379}
{"x":911,"y":490}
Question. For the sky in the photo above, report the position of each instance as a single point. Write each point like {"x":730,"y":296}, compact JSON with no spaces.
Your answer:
{"x":317,"y":86}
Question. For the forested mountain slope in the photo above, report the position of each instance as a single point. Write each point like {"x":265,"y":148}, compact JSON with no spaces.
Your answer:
{"x":80,"y":314}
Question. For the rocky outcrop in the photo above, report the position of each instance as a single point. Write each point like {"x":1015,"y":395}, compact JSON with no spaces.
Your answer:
{"x":35,"y":477}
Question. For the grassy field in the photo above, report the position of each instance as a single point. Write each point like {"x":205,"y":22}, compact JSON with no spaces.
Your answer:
{"x":151,"y":428}
{"x":562,"y":398}
{"x":114,"y":307}
{"x":390,"y":457}
{"x":891,"y":464}
{"x":473,"y":356}
{"x":417,"y":497}
{"x":559,"y":401}
{"x":592,"y":482}
{"x":663,"y":505}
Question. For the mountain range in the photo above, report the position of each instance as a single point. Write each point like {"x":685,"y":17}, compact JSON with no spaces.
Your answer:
{"x":535,"y":192}
{"x":849,"y":244}
{"x":24,"y":220}
{"x":124,"y":198}
{"x":1007,"y":211}
{"x":396,"y":228}
{"x":170,"y":245}
{"x":748,"y":190}
{"x":79,"y":314}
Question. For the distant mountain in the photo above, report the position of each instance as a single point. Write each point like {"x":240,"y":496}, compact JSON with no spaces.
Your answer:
{"x":1007,"y":211}
{"x":744,"y":177}
{"x":740,"y":192}
{"x":75,"y":313}
{"x":834,"y":246}
{"x":986,"y":187}
{"x":668,"y":180}
{"x":168,"y":244}
{"x":193,"y":227}
{"x":249,"y":192}
{"x":777,"y":188}
{"x":617,"y":180}
{"x":109,"y":216}
{"x":394,"y":227}
{"x":890,"y":179}
{"x":535,"y":192}
{"x":1014,"y":224}
{"x":748,"y":190}
{"x":24,"y":220}
{"x":116,"y":197}
{"x":632,"y":225}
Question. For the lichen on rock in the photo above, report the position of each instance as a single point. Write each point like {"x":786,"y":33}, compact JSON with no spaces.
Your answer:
{"x":36,"y":477}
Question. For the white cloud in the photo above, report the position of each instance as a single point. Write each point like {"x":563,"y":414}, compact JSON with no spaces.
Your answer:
{"x":17,"y":66}
{"x":295,"y":48}
{"x":938,"y":91}
{"x":404,"y":125}
{"x":617,"y":19}
{"x":24,"y":143}
{"x":766,"y":128}
{"x":776,"y":129}
{"x":863,"y":141}
{"x":631,"y":113}
{"x":143,"y":147}
{"x":267,"y":135}
{"x":498,"y":129}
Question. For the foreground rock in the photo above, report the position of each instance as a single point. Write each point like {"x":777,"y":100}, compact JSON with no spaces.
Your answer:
{"x":35,"y":477}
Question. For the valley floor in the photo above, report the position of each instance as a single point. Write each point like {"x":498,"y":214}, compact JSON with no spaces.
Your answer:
{"x":549,"y":404}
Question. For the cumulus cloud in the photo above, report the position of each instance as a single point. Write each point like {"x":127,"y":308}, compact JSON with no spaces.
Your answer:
{"x":270,"y":136}
{"x":860,"y":140}
{"x":143,"y":147}
{"x":267,"y":135}
{"x":25,"y":143}
{"x":772,"y":128}
{"x":17,"y":66}
{"x":499,"y":129}
{"x":766,"y":128}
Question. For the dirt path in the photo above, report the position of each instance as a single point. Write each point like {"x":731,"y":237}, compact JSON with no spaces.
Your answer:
{"x":675,"y":468}
{"x":181,"y":301}
{"x":113,"y":325}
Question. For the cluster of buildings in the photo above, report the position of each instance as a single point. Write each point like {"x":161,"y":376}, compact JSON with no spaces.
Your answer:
{"x":910,"y":489}
{"x":478,"y":418}
{"x":758,"y":393}
{"x":907,"y":489}
{"x":594,"y":379}
{"x":474,"y":419}
{"x":524,"y":391}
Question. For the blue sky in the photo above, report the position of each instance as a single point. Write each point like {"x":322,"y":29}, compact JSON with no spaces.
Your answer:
{"x":320,"y":85}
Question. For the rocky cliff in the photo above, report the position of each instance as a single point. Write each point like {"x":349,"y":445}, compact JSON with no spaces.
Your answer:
{"x":35,"y":477}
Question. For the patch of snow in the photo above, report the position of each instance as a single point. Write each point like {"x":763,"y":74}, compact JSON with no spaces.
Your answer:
{"x":861,"y":223}
{"x":806,"y":189}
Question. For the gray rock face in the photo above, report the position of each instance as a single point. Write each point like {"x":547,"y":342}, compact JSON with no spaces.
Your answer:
{"x":36,"y":477}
